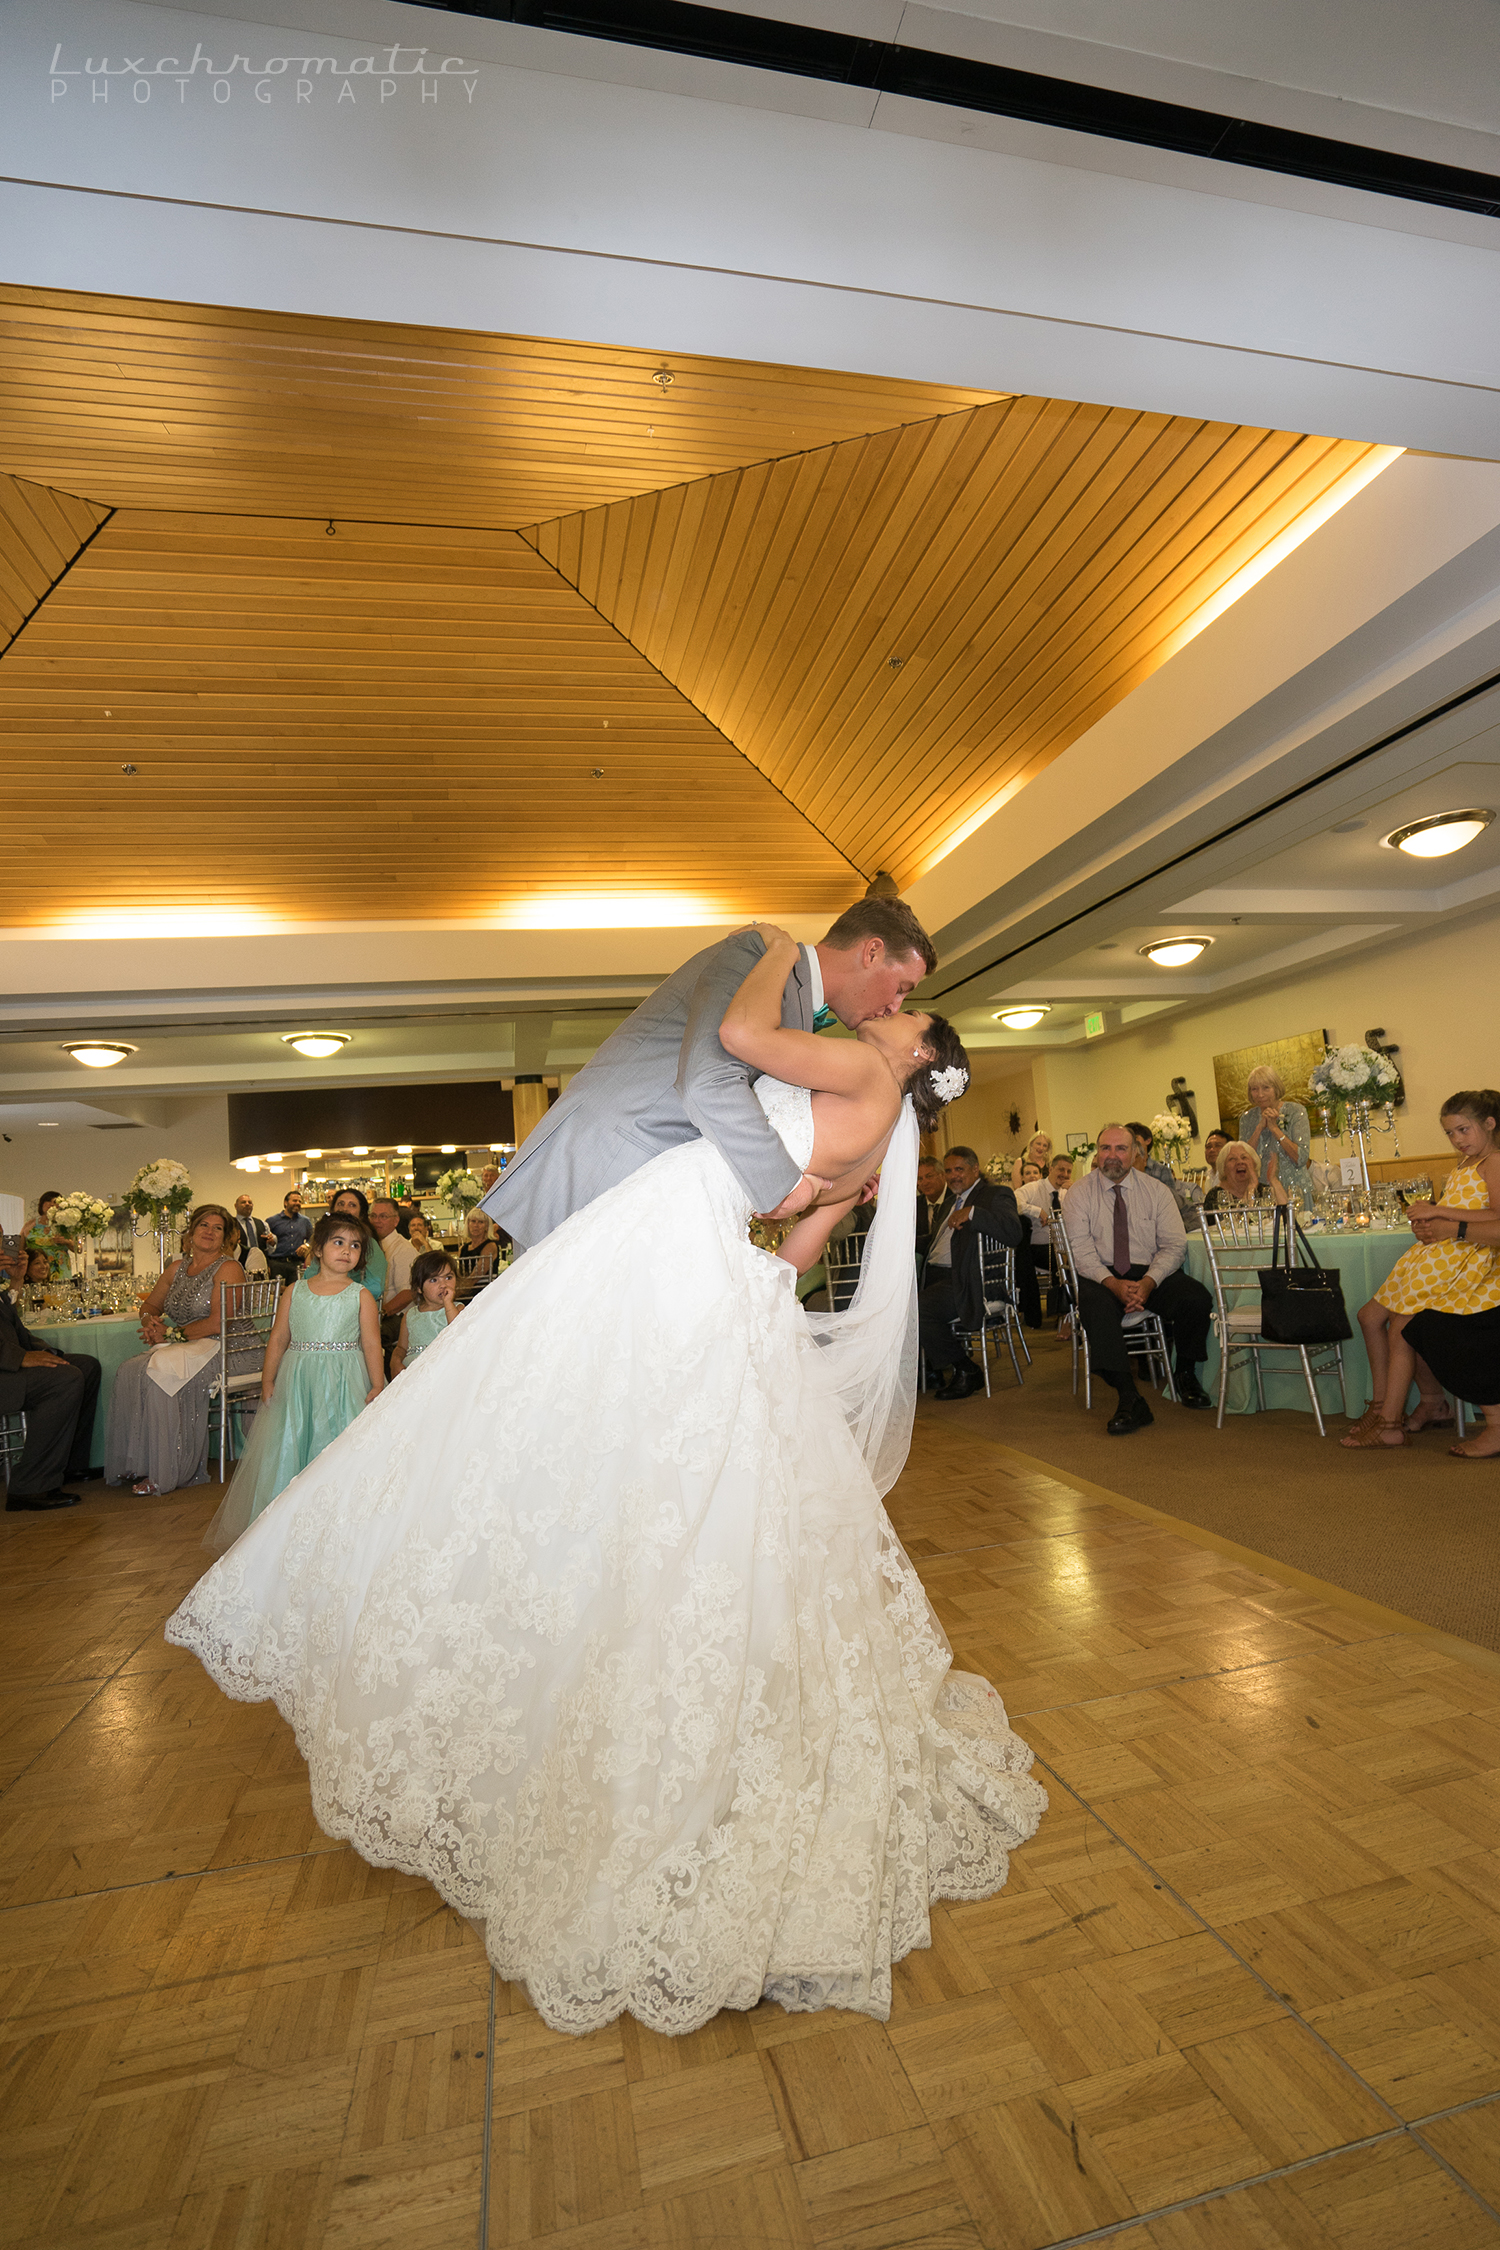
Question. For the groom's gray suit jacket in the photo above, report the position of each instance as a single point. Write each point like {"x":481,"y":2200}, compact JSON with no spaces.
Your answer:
{"x":663,"y":1077}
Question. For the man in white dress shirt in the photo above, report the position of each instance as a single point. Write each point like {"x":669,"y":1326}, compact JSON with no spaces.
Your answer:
{"x":1037,"y":1201}
{"x":1128,"y":1244}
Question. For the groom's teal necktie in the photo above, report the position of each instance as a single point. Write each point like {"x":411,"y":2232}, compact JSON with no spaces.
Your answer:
{"x":823,"y":1018}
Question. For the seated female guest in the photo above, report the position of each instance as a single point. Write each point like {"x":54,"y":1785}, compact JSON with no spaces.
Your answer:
{"x":1236,"y":1176}
{"x":419,"y":1234}
{"x":44,"y":1236}
{"x":1273,"y":1126}
{"x":1038,"y":1151}
{"x":483,"y":1243}
{"x":1453,"y":1268}
{"x":157,"y":1433}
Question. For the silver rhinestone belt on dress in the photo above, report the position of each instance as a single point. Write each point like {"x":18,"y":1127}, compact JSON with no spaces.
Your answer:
{"x":325,"y":1347}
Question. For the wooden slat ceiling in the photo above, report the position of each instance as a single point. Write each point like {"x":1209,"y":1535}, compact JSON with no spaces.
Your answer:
{"x":40,"y":533}
{"x":829,"y":618}
{"x":899,"y":627}
{"x":406,"y":720}
{"x":140,"y":404}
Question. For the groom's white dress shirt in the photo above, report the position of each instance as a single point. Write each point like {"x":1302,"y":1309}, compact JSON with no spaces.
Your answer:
{"x":814,"y":976}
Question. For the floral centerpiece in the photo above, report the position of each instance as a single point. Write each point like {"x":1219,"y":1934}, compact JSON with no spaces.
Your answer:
{"x":459,"y":1189}
{"x":1352,"y":1074}
{"x":1171,"y":1135}
{"x":79,"y":1213}
{"x":159,"y":1189}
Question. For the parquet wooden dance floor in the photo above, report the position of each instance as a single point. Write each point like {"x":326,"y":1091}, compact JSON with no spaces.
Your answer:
{"x":1243,"y":1990}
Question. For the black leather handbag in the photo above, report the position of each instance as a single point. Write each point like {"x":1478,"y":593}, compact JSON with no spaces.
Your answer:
{"x":1300,"y":1304}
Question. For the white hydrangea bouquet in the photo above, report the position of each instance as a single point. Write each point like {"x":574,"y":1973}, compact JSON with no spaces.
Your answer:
{"x":81,"y":1214}
{"x":459,"y":1189}
{"x":159,"y":1188}
{"x":1352,"y":1074}
{"x":1170,"y":1131}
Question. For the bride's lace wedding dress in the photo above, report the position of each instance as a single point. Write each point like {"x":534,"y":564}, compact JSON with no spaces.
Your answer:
{"x":595,"y":1619}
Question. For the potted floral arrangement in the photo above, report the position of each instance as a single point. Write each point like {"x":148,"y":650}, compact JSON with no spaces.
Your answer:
{"x":1171,"y":1134}
{"x":459,"y":1189}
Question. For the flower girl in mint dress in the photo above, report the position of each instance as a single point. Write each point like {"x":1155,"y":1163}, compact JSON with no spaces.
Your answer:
{"x":434,"y":1285}
{"x":323,"y":1364}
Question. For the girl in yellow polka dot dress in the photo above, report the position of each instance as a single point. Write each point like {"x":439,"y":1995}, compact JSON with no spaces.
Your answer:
{"x":1444,"y":1273}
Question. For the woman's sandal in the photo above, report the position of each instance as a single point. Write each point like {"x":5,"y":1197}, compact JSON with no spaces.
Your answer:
{"x":1367,"y":1421}
{"x":1365,"y":1436}
{"x":146,"y":1489}
{"x":1462,"y":1453}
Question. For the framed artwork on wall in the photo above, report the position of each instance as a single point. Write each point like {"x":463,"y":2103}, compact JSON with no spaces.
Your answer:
{"x":1293,"y":1059}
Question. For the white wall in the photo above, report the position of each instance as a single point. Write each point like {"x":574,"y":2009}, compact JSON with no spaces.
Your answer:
{"x":1430,"y":994}
{"x":197,"y":1133}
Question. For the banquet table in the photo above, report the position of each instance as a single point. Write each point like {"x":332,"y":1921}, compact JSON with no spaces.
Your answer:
{"x":111,"y":1339}
{"x":1362,"y":1260}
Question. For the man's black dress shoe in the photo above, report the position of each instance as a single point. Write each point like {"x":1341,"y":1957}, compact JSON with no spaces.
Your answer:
{"x":966,"y":1381}
{"x":35,"y":1501}
{"x":1194,"y":1395}
{"x":1136,"y":1415}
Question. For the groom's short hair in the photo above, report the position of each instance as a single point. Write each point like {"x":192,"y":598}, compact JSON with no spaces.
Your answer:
{"x":888,"y":919}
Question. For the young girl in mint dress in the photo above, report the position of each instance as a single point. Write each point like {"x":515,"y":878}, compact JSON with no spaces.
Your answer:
{"x":323,"y":1364}
{"x":434,"y":1281}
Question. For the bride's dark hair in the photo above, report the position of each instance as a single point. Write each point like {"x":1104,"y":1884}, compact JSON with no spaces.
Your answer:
{"x":947,"y":1054}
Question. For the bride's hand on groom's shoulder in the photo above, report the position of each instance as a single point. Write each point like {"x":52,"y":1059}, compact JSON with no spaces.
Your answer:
{"x":772,"y":932}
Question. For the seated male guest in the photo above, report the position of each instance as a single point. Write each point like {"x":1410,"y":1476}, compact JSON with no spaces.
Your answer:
{"x":933,"y":1200}
{"x":56,"y":1391}
{"x":1145,"y":1141}
{"x":952,"y":1286}
{"x":1128,"y":1244}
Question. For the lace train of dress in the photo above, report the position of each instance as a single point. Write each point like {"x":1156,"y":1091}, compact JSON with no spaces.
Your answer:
{"x":595,"y":1619}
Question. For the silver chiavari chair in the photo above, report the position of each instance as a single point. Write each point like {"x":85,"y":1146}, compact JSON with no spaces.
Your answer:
{"x":841,"y":1268}
{"x":247,"y":1312}
{"x":1237,"y":1241}
{"x":1000,"y":1315}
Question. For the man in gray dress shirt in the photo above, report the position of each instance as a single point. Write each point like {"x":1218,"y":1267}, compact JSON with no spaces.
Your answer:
{"x":1128,"y":1244}
{"x":664,"y":1077}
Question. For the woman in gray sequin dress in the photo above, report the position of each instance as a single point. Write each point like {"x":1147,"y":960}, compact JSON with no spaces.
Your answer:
{"x":160,"y":1443}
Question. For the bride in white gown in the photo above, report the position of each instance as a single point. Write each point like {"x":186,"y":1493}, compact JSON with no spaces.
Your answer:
{"x":595,"y":1619}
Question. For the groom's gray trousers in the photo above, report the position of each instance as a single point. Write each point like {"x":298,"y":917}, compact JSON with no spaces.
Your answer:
{"x":661,"y":1079}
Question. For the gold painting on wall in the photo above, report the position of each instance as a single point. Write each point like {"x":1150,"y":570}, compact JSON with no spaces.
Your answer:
{"x":1293,"y":1060}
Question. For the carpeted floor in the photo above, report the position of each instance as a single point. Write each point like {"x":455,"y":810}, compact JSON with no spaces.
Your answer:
{"x":1411,"y":1529}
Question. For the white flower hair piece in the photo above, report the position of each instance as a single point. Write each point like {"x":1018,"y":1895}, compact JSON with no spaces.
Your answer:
{"x":949,"y":1084}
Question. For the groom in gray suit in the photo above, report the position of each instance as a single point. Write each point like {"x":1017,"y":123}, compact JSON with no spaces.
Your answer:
{"x":663,"y":1077}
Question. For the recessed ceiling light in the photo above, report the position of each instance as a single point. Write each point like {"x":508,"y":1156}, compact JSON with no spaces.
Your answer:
{"x":1440,"y":833}
{"x":50,"y":1122}
{"x":317,"y":1044}
{"x":1022,"y":1019}
{"x":450,"y":1148}
{"x":312,"y":1152}
{"x":273,"y":1158}
{"x":359,"y":1152}
{"x":99,"y":1054}
{"x":1174,"y":953}
{"x":404,"y":1148}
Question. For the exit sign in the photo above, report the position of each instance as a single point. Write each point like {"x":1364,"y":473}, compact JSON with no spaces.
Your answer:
{"x":1093,"y":1025}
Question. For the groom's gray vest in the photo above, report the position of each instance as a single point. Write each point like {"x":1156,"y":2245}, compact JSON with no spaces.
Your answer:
{"x":663,"y":1077}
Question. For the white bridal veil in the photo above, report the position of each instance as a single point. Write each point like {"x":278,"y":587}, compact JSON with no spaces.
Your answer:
{"x":870,"y":1349}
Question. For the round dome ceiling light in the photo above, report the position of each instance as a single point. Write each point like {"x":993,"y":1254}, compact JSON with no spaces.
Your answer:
{"x":1440,"y":833}
{"x":316,"y":1044}
{"x":1022,"y":1018}
{"x":1174,"y":953}
{"x":99,"y":1054}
